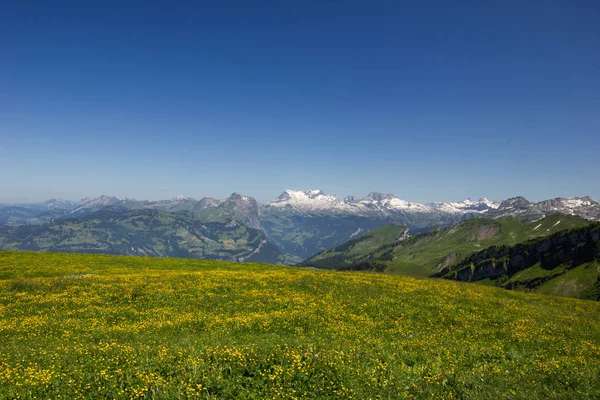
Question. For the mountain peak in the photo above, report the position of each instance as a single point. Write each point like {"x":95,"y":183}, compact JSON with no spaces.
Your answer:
{"x":291,"y":194}
{"x":518,"y":202}
{"x":181,"y":197}
{"x":376,"y":196}
{"x":236,"y":197}
{"x":244,"y":209}
{"x":103,"y":199}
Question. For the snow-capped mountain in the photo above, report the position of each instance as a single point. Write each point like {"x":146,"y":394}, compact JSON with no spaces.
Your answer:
{"x":389,"y":202}
{"x":374,"y":203}
{"x":380,"y":205}
{"x":317,"y":200}
{"x":309,"y":200}
{"x":303,"y":222}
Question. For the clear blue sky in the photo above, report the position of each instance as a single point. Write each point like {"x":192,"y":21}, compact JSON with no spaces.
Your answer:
{"x":435,"y":101}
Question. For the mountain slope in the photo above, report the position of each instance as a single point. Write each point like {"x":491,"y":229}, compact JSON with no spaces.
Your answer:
{"x":425,"y":254}
{"x":146,"y":232}
{"x":565,"y":263}
{"x":442,"y":247}
{"x":360,"y":249}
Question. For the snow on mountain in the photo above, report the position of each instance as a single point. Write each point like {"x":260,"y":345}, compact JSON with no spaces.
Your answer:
{"x":466,"y":206}
{"x":389,"y":202}
{"x":569,"y":204}
{"x":375,"y":203}
{"x":577,"y":202}
{"x":317,"y":200}
{"x":307,"y":200}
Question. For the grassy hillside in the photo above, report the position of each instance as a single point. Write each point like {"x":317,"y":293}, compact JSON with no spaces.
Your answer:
{"x":565,"y":263}
{"x":91,"y":326}
{"x":358,"y":249}
{"x":425,"y":254}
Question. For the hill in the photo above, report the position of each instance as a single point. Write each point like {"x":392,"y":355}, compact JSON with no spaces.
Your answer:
{"x":427,"y":253}
{"x":95,"y":326}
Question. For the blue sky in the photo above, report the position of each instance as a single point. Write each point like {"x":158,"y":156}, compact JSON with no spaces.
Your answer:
{"x":435,"y":101}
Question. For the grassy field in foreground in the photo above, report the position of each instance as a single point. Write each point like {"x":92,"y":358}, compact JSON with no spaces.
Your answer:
{"x":90,"y":326}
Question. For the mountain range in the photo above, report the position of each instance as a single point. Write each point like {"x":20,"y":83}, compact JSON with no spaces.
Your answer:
{"x":296,"y":225}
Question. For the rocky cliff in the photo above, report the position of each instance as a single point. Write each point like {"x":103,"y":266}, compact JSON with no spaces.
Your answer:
{"x":567,"y":249}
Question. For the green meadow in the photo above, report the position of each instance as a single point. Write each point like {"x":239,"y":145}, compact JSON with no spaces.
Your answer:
{"x":93,"y":326}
